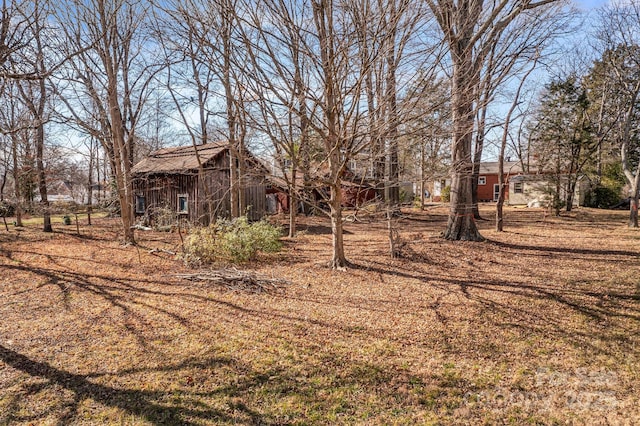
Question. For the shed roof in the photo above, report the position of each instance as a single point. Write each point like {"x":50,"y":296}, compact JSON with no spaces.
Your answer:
{"x":179,"y":159}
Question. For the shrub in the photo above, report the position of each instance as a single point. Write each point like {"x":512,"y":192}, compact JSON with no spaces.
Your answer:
{"x":231,"y":241}
{"x":163,"y":217}
{"x":7,"y":209}
{"x":602,"y":197}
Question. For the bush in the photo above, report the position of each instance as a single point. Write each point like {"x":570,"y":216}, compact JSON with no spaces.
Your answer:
{"x":7,"y":209}
{"x":446,"y":194}
{"x":231,"y":241}
{"x":602,"y":197}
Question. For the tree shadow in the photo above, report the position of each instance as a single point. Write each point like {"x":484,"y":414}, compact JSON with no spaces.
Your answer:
{"x":148,"y":405}
{"x":514,"y":304}
{"x":595,"y":253}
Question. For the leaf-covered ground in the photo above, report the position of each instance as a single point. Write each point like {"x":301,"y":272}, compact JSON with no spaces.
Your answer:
{"x":539,"y":324}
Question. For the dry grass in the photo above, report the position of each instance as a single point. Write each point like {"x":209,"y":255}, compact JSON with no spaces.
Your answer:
{"x":540,"y":325}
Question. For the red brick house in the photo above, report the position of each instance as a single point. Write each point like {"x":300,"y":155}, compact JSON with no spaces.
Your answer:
{"x":488,"y":179}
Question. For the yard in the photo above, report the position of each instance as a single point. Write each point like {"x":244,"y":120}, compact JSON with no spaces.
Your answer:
{"x":539,"y":324}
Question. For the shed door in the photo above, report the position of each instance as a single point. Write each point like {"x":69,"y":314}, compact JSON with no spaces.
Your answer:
{"x":496,"y":191}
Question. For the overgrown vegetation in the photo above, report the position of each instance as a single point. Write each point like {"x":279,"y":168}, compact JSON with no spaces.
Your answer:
{"x":231,"y":241}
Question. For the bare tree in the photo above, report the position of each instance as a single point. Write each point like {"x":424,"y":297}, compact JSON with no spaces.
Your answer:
{"x":107,"y":85}
{"x":533,"y":34}
{"x":427,"y":128}
{"x":205,"y":41}
{"x":470,"y":29}
{"x":503,"y":146}
{"x":15,"y":35}
{"x":322,"y":81}
{"x":35,"y":95}
{"x":619,"y":78}
{"x":185,"y":31}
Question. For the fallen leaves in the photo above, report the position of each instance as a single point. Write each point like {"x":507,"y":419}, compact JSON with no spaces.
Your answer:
{"x":452,"y":333}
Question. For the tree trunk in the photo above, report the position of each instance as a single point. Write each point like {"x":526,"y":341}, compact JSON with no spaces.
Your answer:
{"x":501,"y":180}
{"x":16,"y":180}
{"x":338,"y":258}
{"x":461,"y":224}
{"x":556,"y":197}
{"x":333,"y":140}
{"x":233,"y":184}
{"x":42,"y":179}
{"x":231,"y":110}
{"x":122,"y":169}
{"x":423,"y":198}
{"x":633,"y":214}
{"x":499,"y":214}
{"x":393,"y":185}
{"x":633,"y":206}
{"x":477,"y":159}
{"x":503,"y":148}
{"x":90,"y":181}
{"x":293,"y":203}
{"x":571,"y":188}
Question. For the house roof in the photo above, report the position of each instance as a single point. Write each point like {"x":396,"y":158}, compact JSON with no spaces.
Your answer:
{"x":179,"y":159}
{"x":491,"y":167}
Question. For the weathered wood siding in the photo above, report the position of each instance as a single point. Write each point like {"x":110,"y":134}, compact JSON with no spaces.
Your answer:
{"x":256,"y":199}
{"x":208,"y":195}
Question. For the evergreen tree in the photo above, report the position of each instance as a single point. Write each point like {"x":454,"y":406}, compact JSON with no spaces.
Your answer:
{"x":562,"y":141}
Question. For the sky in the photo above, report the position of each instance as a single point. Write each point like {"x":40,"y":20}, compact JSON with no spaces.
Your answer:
{"x":590,"y":4}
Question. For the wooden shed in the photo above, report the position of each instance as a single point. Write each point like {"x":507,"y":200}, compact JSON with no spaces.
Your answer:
{"x":193,"y":183}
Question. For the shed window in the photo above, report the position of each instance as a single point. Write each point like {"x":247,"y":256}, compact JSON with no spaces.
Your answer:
{"x":482,"y":180}
{"x":183,"y":203}
{"x":518,"y":187}
{"x":140,"y":204}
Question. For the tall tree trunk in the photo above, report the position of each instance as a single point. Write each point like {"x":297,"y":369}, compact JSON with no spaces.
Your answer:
{"x":477,"y":158}
{"x":461,"y":224}
{"x":122,"y":156}
{"x":633,"y":178}
{"x":633,"y":203}
{"x":42,"y":179}
{"x":92,"y":160}
{"x":423,"y":166}
{"x":393,"y":188}
{"x":16,"y":180}
{"x":40,"y":136}
{"x":571,"y":188}
{"x":231,"y":111}
{"x":333,"y":140}
{"x":486,"y":88}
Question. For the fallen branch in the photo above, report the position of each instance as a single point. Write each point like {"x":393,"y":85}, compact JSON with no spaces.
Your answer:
{"x":236,"y":280}
{"x":157,"y":250}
